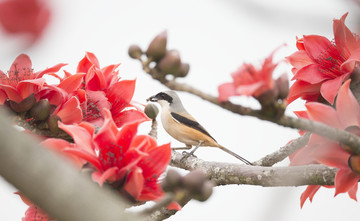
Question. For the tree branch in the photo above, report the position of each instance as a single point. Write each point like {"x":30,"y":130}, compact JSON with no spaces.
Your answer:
{"x":52,"y":182}
{"x":36,"y":129}
{"x":321,"y":129}
{"x":228,"y":173}
{"x":285,"y":151}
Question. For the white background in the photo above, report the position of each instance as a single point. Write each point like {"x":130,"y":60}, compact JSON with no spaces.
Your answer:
{"x":215,"y":37}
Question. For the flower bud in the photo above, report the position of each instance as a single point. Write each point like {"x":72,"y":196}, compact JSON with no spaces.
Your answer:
{"x":41,"y":110}
{"x":151,"y":111}
{"x":172,"y":181}
{"x":267,"y":97}
{"x":184,"y":70}
{"x":354,"y":163}
{"x":194,"y":181}
{"x":170,"y":63}
{"x":135,"y":51}
{"x":282,"y":84}
{"x":206,"y":191}
{"x":24,"y":105}
{"x":354,"y":130}
{"x":157,"y":47}
{"x":53,"y":124}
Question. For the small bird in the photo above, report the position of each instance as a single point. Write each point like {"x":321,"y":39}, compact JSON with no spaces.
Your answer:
{"x":183,"y":127}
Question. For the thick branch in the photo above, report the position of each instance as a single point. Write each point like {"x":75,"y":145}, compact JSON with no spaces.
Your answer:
{"x":51,"y":182}
{"x":228,"y":173}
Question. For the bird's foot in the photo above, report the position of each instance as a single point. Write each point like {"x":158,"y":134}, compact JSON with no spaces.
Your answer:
{"x":186,"y":155}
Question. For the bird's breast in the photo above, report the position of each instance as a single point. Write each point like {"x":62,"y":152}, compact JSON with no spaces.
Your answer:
{"x":183,"y":133}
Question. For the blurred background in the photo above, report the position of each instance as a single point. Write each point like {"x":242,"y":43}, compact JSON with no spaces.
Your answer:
{"x":215,"y":37}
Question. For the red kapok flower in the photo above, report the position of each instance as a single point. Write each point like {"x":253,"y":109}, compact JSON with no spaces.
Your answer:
{"x":324,"y":151}
{"x":102,"y":88}
{"x":24,"y":16}
{"x":249,"y":81}
{"x":34,"y":213}
{"x":133,"y":163}
{"x":321,"y":66}
{"x":21,"y":81}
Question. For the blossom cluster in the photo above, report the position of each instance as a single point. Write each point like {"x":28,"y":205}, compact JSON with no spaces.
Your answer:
{"x":322,"y":70}
{"x":94,"y":107}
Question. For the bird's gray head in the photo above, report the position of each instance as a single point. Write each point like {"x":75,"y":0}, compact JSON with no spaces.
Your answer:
{"x":167,"y":98}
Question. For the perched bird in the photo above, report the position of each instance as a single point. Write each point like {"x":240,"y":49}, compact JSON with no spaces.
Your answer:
{"x":182,"y":126}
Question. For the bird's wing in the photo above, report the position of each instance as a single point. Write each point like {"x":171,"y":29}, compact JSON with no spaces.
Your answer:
{"x":190,"y":123}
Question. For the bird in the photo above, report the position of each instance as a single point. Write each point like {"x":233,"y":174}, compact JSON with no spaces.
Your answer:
{"x":179,"y":124}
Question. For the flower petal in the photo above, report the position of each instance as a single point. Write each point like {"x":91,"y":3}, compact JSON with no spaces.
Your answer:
{"x":310,"y":74}
{"x":250,"y":89}
{"x":50,"y":71}
{"x":27,"y":87}
{"x":134,"y":183}
{"x":70,"y":111}
{"x":128,"y":116}
{"x":120,"y":94}
{"x":345,"y":180}
{"x":11,"y":93}
{"x":308,"y":194}
{"x":88,"y":61}
{"x":225,"y":91}
{"x":107,"y":133}
{"x":299,"y":59}
{"x":81,"y":136}
{"x":95,"y":79}
{"x":71,"y":83}
{"x":323,"y":113}
{"x":126,"y":134}
{"x":22,"y":62}
{"x":342,"y":34}
{"x":330,"y":88}
{"x":156,"y":162}
{"x":315,"y":45}
{"x":352,"y":192}
{"x":331,"y":154}
{"x":109,"y":174}
{"x":349,"y":65}
{"x":347,"y":106}
{"x":302,"y":88}
{"x":88,"y":157}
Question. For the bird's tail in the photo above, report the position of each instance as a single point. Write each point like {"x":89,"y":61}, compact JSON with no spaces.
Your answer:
{"x":235,"y":155}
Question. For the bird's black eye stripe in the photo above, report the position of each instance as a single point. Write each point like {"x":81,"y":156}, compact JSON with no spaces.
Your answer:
{"x":164,"y":96}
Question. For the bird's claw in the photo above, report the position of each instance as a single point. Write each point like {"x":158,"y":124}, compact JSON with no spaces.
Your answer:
{"x":186,"y":155}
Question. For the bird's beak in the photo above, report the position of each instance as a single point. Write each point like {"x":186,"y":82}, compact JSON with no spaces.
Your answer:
{"x":152,"y":99}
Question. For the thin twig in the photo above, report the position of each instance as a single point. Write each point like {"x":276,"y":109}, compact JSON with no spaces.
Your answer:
{"x":166,"y":200}
{"x":164,"y":213}
{"x":285,"y":151}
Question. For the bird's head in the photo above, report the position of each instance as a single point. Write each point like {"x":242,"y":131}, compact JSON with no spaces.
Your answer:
{"x":166,"y":98}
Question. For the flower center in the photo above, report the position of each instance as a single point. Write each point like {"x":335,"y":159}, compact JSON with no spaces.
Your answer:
{"x":90,"y":110}
{"x":330,"y":60}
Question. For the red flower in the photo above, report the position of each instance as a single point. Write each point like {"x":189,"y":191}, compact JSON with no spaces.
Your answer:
{"x":101,"y":88}
{"x":34,"y":213}
{"x":324,"y":151}
{"x":249,"y":81}
{"x":321,"y":66}
{"x":24,"y":16}
{"x":132,"y":162}
{"x":21,"y":81}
